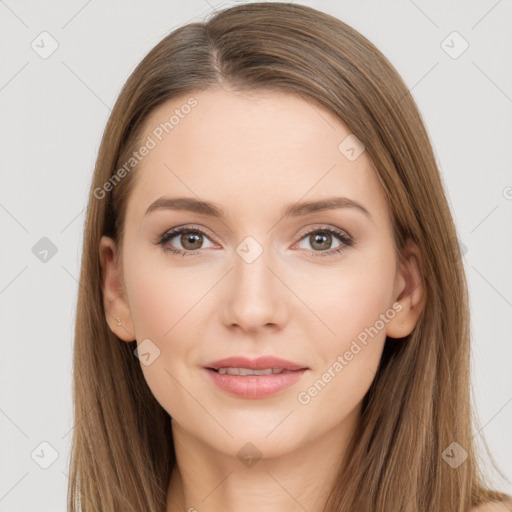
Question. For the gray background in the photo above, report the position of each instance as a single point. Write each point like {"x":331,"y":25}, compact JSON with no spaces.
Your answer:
{"x":53,"y":114}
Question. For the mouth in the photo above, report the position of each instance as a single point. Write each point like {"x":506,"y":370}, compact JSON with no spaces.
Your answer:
{"x":256,"y":378}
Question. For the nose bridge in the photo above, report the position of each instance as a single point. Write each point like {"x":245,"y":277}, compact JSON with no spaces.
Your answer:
{"x":255,"y":293}
{"x":251,"y":262}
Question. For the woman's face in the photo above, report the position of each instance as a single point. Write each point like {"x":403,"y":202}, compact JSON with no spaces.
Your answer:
{"x":259,"y":271}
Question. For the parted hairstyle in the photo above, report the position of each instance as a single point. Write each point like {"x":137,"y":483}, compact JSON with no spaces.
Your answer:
{"x":420,"y":401}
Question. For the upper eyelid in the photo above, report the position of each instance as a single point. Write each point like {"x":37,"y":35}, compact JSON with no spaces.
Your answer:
{"x":186,"y":227}
{"x":324,"y":227}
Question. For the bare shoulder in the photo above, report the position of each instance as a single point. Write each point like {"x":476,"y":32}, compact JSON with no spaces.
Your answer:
{"x":501,"y":506}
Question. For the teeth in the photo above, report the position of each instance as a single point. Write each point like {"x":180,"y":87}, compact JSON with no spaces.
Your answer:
{"x":247,"y":371}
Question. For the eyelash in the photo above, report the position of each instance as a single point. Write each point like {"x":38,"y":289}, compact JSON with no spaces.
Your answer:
{"x":346,"y":240}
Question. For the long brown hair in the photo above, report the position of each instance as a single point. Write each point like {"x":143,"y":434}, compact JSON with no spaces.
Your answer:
{"x":420,"y":401}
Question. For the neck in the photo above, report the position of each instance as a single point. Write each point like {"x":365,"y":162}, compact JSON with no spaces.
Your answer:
{"x":207,"y":480}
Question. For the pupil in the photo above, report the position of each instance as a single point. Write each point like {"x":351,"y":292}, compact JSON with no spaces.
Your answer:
{"x":188,"y":238}
{"x":318,"y":239}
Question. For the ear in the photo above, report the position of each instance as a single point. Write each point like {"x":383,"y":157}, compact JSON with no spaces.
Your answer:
{"x":409,"y":293}
{"x":115,"y":304}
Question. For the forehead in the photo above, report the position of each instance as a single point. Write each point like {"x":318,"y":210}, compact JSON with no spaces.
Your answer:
{"x":251,"y":149}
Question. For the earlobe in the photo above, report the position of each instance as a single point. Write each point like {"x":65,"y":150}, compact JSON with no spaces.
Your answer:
{"x":117,"y":311}
{"x":410,"y":293}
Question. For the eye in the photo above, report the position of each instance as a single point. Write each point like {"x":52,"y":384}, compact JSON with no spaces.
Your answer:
{"x":321,"y":241}
{"x":189,"y":240}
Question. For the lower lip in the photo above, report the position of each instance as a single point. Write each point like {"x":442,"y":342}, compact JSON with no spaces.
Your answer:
{"x":255,"y":386}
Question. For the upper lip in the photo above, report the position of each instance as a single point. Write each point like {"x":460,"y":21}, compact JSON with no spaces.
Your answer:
{"x":261,"y":363}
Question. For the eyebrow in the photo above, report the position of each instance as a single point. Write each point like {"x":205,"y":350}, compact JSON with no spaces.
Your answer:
{"x":298,"y":209}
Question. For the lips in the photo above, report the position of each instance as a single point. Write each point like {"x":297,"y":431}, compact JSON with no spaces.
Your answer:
{"x":261,"y":363}
{"x":235,"y":378}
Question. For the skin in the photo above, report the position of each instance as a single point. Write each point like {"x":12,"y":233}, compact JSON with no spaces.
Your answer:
{"x":252,"y":154}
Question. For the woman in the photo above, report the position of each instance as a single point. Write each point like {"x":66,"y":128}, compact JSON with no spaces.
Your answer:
{"x":273,"y":312}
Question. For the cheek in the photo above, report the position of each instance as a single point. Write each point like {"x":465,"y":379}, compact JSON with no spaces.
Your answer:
{"x":161,"y":301}
{"x":351,"y":298}
{"x":168,"y":306}
{"x":354,"y":302}
{"x":160,"y":295}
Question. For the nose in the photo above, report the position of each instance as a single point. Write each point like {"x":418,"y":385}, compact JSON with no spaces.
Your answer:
{"x":255,"y":294}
